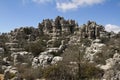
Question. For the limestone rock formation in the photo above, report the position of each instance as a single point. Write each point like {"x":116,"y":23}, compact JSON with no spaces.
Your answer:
{"x":56,"y":59}
{"x":111,"y":67}
{"x":1,"y":51}
{"x":21,"y":57}
{"x":57,"y":27}
{"x":91,"y":30}
{"x":11,"y":73}
{"x":42,"y":60}
{"x":49,"y":56}
{"x":57,"y":40}
{"x":93,"y":50}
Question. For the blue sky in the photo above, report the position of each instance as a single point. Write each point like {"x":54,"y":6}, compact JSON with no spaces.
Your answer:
{"x":20,"y":13}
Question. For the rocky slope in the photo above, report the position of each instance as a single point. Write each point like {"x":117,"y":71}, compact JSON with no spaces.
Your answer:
{"x":60,"y":50}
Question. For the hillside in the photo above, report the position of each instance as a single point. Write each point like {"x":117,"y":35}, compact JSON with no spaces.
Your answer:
{"x":60,"y":49}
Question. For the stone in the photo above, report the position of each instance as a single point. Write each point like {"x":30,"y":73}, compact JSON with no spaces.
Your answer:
{"x":110,"y":63}
{"x":1,"y":51}
{"x":57,"y":27}
{"x":35,"y":62}
{"x":10,"y":73}
{"x":21,"y":57}
{"x":42,"y":60}
{"x":45,"y":58}
{"x":56,"y":59}
{"x":111,"y":75}
{"x":95,"y":48}
{"x":111,"y":68}
{"x":116,"y":56}
{"x":6,"y":61}
{"x":91,"y":30}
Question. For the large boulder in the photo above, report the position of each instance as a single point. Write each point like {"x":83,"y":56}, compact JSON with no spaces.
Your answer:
{"x":49,"y":56}
{"x":57,"y":27}
{"x":111,"y":75}
{"x":42,"y":60}
{"x":111,"y":68}
{"x":21,"y":57}
{"x":6,"y":61}
{"x":45,"y":59}
{"x":56,"y":59}
{"x":1,"y":51}
{"x":11,"y":73}
{"x":91,"y":30}
{"x":110,"y":63}
{"x":92,"y":51}
{"x":35,"y":62}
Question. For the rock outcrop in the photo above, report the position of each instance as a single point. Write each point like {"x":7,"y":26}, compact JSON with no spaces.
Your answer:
{"x":57,"y":27}
{"x":11,"y":73}
{"x":21,"y":57}
{"x":111,"y":68}
{"x":92,"y":30}
{"x":50,"y":56}
{"x":1,"y":51}
{"x":95,"y":49}
{"x":43,"y":46}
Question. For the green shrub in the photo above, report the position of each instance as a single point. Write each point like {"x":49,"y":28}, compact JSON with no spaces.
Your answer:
{"x":58,"y":72}
{"x":29,"y":73}
{"x":36,"y":47}
{"x":57,"y":43}
{"x":88,"y":71}
{"x":86,"y":42}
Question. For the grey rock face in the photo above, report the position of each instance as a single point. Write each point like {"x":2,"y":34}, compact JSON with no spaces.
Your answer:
{"x":111,"y":68}
{"x":1,"y":51}
{"x":11,"y":73}
{"x":56,"y":30}
{"x":46,"y":58}
{"x":57,"y":27}
{"x":93,"y":50}
{"x":42,"y":60}
{"x":111,"y":75}
{"x":21,"y":57}
{"x":91,"y":30}
{"x":56,"y":59}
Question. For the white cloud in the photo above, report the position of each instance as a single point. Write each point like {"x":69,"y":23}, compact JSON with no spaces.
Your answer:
{"x":65,"y":5}
{"x":74,"y":4}
{"x":41,"y":1}
{"x":114,"y":28}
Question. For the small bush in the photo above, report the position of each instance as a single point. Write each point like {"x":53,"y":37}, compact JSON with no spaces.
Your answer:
{"x":88,"y":71}
{"x":29,"y":73}
{"x":57,"y":43}
{"x":58,"y":72}
{"x":36,"y":47}
{"x":86,"y":42}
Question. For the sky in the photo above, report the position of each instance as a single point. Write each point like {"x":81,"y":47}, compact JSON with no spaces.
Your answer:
{"x":21,"y":13}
